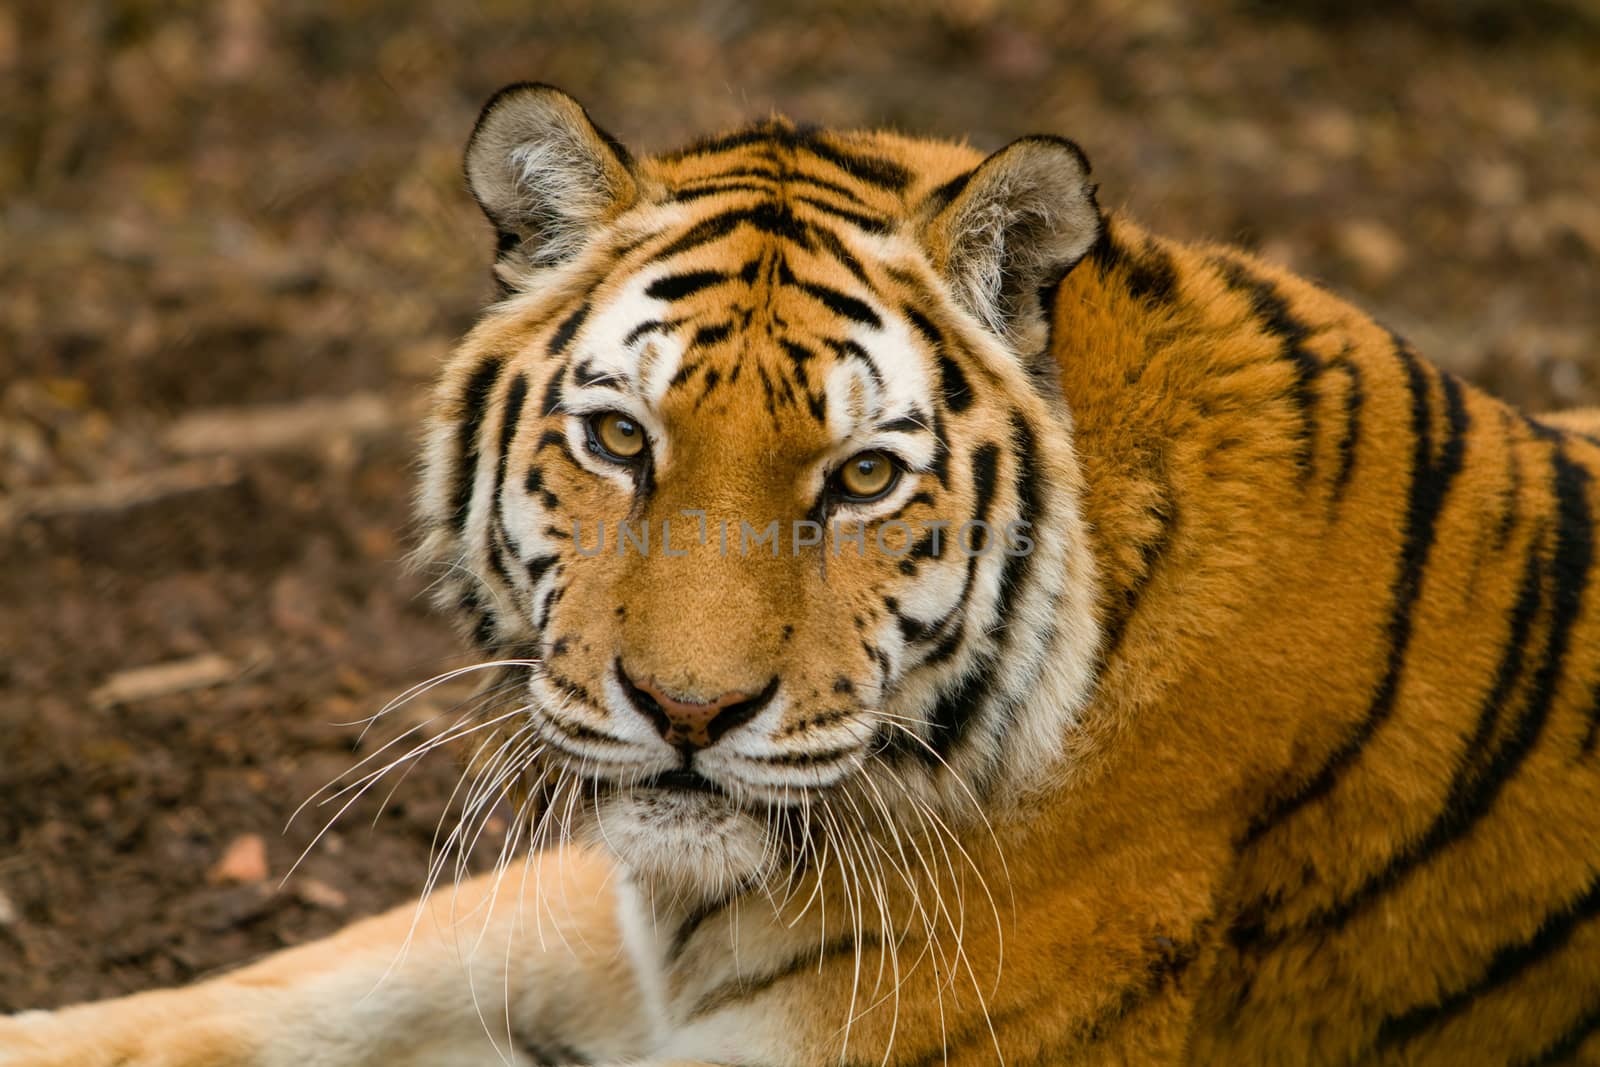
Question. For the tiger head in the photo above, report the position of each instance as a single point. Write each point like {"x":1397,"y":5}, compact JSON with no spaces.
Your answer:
{"x":759,"y":480}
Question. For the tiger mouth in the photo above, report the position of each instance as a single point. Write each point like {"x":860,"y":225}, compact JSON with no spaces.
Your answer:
{"x":683,"y":780}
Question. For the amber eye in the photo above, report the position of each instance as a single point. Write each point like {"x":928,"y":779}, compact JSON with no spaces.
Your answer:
{"x":867,"y":476}
{"x":616,"y":437}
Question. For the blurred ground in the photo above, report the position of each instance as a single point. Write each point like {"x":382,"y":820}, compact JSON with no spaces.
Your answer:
{"x":234,"y":247}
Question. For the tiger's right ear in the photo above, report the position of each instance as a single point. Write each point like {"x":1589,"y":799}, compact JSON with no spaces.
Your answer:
{"x":545,"y":175}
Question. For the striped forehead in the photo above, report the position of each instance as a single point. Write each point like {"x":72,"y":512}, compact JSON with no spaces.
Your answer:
{"x":880,"y":374}
{"x":863,"y":368}
{"x":635,"y":343}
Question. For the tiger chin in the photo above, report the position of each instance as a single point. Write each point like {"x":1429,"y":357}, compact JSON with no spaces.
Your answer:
{"x":931,"y":620}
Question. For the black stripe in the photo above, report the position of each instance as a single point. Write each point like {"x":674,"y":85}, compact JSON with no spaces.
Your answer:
{"x":685,"y":372}
{"x":770,"y":174}
{"x":1472,"y":795}
{"x":1354,"y":398}
{"x":915,"y":631}
{"x":744,"y":988}
{"x":497,"y":553}
{"x":678,"y":286}
{"x":1149,"y":275}
{"x":710,"y":335}
{"x":1272,"y":309}
{"x":1511,"y":495}
{"x":1431,"y":481}
{"x":713,"y":376}
{"x":771,"y":394}
{"x":924,"y":546}
{"x":915,"y":500}
{"x":939,"y":465}
{"x":787,"y":385}
{"x":553,"y":392}
{"x":970,"y":1039}
{"x":723,"y":142}
{"x":940,"y":198}
{"x":884,"y":173}
{"x":585,"y":374}
{"x":797,"y":352}
{"x":569,"y":326}
{"x":1152,"y":276}
{"x":952,"y":380}
{"x":516,"y":395}
{"x":538,"y":566}
{"x":698,"y":191}
{"x":1163,"y":969}
{"x":1479,"y":778}
{"x":546,"y":1053}
{"x":923,"y":325}
{"x":914,"y":423}
{"x":770,"y":218}
{"x":1562,"y":1048}
{"x":1592,"y":732}
{"x":474,"y":398}
{"x":1030,"y":504}
{"x":869,"y":223}
{"x":851,"y":350}
{"x":795,"y":177}
{"x":1124,"y":603}
{"x":953,"y":383}
{"x":652,"y":326}
{"x":773,"y":135}
{"x":930,"y":545}
{"x":948,"y":645}
{"x":1504,"y":967}
{"x":837,"y":302}
{"x":483,"y":623}
{"x":833,"y":246}
{"x":985,"y":465}
{"x":959,"y":706}
{"x":577,"y":731}
{"x":807,"y":759}
{"x":533,"y":484}
{"x":912,"y":629}
{"x":694,"y":920}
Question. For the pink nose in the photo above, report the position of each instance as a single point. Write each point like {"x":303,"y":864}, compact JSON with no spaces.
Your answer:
{"x":691,"y":722}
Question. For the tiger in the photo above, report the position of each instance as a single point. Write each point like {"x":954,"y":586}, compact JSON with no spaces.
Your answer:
{"x":930,"y":619}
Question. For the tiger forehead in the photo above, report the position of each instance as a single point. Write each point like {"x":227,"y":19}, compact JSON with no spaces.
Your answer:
{"x":871,"y":169}
{"x":799,"y":343}
{"x":757,"y":286}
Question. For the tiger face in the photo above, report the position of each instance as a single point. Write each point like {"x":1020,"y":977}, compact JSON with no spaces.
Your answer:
{"x":756,"y":479}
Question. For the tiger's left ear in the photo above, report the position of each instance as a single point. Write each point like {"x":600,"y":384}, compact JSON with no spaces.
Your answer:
{"x":1007,"y":233}
{"x":545,"y":175}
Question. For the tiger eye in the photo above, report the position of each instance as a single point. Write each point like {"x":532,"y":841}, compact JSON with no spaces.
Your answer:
{"x":619,"y":436}
{"x":867,"y":475}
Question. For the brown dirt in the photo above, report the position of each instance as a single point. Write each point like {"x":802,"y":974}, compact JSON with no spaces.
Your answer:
{"x":240,"y":205}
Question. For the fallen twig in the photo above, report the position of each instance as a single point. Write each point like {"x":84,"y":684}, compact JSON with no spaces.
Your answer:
{"x":162,"y":679}
{"x":236,"y":431}
{"x":117,"y":494}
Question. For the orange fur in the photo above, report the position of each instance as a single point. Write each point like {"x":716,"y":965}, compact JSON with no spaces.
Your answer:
{"x":1334,"y":796}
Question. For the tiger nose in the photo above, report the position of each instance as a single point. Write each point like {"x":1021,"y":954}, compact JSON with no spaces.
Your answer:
{"x":687,"y":723}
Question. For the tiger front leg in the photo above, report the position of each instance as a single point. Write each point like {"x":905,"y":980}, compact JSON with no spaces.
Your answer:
{"x":530,"y":968}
